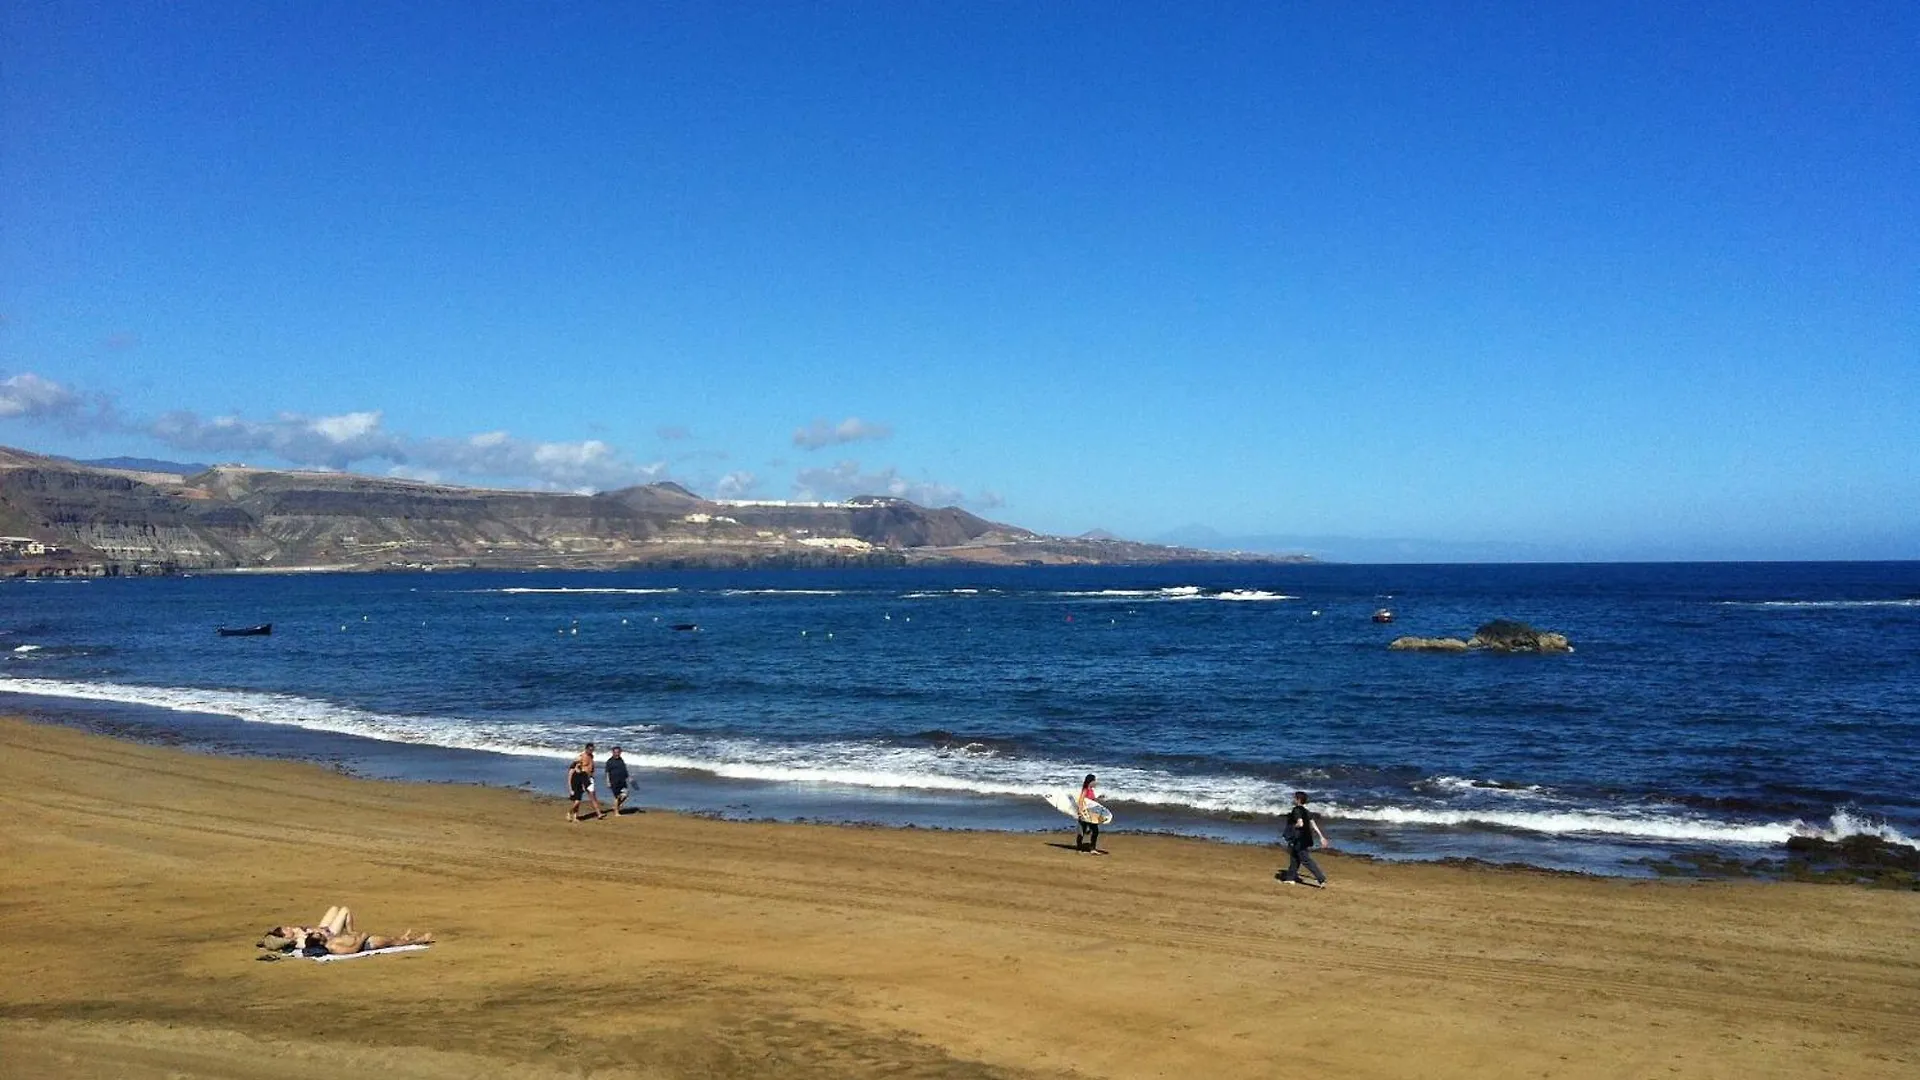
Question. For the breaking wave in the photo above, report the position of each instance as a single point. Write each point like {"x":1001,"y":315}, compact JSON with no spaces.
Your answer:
{"x":1911,"y":602}
{"x":976,"y":769}
{"x":521,"y":590}
{"x":1176,"y":592}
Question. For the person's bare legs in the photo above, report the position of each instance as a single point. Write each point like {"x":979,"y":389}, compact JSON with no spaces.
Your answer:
{"x":339,"y":920}
{"x":326,"y":921}
{"x":598,"y":810}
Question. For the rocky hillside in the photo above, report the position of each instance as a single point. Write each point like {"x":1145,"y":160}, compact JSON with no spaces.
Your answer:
{"x":123,"y":521}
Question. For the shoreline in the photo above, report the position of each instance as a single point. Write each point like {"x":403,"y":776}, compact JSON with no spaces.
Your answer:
{"x":675,"y":945}
{"x":746,"y":799}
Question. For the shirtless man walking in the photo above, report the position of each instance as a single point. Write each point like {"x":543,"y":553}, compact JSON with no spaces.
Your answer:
{"x":580,"y":785}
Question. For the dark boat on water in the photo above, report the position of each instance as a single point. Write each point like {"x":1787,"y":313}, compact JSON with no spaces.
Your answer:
{"x":262,"y":630}
{"x":1383,"y":616}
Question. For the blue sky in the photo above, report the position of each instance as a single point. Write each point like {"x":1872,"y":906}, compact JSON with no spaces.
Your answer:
{"x":1614,"y":281}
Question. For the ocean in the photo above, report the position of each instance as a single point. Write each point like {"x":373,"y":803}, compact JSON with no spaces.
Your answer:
{"x":1707,"y":708}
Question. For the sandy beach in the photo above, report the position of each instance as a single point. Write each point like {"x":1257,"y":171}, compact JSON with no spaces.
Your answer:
{"x":137,"y":878}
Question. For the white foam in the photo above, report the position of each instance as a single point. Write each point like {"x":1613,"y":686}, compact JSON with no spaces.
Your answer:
{"x":521,"y":589}
{"x":1912,"y":602}
{"x":1644,"y":826}
{"x":1177,"y":592}
{"x":26,"y":648}
{"x":1100,"y":594}
{"x":1465,"y":785}
{"x":1845,"y":823}
{"x":852,"y":763}
{"x":293,"y":711}
{"x":780,"y":592}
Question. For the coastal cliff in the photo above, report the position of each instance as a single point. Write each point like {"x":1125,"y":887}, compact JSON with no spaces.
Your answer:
{"x":70,"y":518}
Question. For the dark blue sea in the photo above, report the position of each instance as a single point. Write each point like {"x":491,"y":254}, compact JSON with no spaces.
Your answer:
{"x":1706,"y":707}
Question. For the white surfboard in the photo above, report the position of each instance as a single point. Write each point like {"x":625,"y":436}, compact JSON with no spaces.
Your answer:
{"x":1066,"y":803}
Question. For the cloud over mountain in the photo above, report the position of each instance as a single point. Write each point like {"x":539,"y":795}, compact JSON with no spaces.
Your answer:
{"x":844,"y":479}
{"x":853,"y":429}
{"x":31,"y":397}
{"x":340,"y":442}
{"x":738,"y":484}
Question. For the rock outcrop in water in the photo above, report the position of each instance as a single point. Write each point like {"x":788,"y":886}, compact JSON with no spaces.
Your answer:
{"x":1428,"y":644}
{"x":1853,"y":859}
{"x":122,"y":521}
{"x":1506,"y":635}
{"x":1500,"y":635}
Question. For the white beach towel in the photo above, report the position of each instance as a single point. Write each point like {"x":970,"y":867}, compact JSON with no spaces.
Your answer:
{"x":326,"y":957}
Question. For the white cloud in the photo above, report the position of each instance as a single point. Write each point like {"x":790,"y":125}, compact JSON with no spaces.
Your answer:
{"x":844,"y":480}
{"x":736,"y":485}
{"x":341,"y":442}
{"x":334,"y":442}
{"x":567,"y":466}
{"x":27,"y":396}
{"x":852,"y":429}
{"x":348,"y":427}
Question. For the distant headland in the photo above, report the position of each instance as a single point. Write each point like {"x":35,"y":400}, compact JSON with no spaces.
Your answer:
{"x":60,"y":517}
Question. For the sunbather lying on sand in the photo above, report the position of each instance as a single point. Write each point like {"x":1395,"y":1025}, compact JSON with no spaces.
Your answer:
{"x":336,"y":934}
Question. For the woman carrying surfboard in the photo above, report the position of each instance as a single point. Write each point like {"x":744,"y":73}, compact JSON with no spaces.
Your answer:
{"x":1086,"y":804}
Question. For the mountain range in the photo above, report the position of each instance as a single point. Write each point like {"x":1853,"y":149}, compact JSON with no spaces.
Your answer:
{"x":128,"y":516}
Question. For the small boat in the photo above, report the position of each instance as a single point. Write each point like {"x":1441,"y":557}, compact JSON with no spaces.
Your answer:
{"x":1383,"y":616}
{"x":262,"y":630}
{"x":686,"y":626}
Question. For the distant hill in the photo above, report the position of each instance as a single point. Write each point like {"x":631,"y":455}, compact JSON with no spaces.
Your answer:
{"x":131,"y":516}
{"x":141,"y":464}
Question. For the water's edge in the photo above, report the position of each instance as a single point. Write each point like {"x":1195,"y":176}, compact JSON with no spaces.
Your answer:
{"x":694,"y":793}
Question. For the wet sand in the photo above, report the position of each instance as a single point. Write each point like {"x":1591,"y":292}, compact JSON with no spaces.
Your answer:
{"x":134,"y":880}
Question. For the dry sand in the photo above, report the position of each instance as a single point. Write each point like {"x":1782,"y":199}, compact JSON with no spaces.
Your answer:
{"x":134,"y":880}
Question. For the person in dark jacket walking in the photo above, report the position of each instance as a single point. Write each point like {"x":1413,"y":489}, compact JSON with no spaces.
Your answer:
{"x":617,"y":779}
{"x":1301,"y":833}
